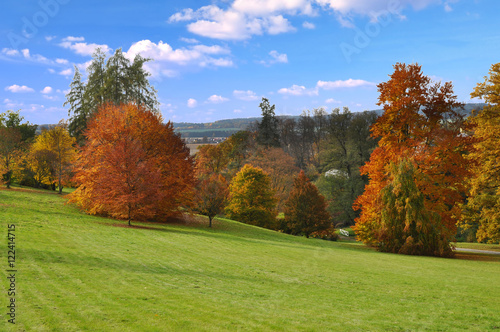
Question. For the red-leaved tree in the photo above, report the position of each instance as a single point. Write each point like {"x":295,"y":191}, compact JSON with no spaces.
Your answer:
{"x":133,"y":166}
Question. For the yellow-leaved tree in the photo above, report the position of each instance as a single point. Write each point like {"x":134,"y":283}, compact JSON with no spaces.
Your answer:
{"x":483,"y":206}
{"x":55,"y":149}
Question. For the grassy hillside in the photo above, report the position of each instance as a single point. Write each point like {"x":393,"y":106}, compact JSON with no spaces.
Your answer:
{"x":78,"y":272}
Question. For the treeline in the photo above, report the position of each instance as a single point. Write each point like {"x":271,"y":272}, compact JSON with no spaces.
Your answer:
{"x":410,"y":180}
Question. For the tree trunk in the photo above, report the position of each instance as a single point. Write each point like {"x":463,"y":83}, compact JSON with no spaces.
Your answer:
{"x":209,"y":221}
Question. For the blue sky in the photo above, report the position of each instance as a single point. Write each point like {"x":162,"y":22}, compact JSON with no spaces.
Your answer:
{"x":216,"y":59}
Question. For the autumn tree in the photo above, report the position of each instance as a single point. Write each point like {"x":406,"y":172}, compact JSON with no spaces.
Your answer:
{"x":213,"y":159}
{"x":210,"y":196}
{"x":14,"y":140}
{"x":268,"y":134}
{"x":483,"y":206}
{"x":281,"y":169}
{"x":40,"y":167}
{"x":60,"y":146}
{"x":421,"y":122}
{"x":114,"y":80}
{"x":305,"y":209}
{"x":133,"y":166}
{"x":251,"y":199}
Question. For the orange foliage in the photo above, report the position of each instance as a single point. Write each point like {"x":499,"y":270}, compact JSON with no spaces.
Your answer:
{"x":420,"y":124}
{"x":133,"y":166}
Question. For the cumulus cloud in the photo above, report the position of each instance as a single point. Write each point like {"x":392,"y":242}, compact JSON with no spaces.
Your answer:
{"x":332,"y":101}
{"x":19,"y":88}
{"x":275,"y":58}
{"x":62,"y":61}
{"x":236,"y":23}
{"x":308,"y":25}
{"x":243,"y":19}
{"x":168,"y":60}
{"x":66,"y":72}
{"x":298,"y":90}
{"x":46,"y":90}
{"x":247,"y":95}
{"x":350,"y":83}
{"x":77,"y":45}
{"x":10,"y":52}
{"x":215,"y":99}
{"x":192,"y":102}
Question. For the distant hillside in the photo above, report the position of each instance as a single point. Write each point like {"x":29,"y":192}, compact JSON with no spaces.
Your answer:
{"x":225,"y":128}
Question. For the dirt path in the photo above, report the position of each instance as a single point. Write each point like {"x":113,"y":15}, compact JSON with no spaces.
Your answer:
{"x":478,"y":251}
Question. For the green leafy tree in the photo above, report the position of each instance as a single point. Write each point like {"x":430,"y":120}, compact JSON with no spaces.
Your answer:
{"x":268,"y":134}
{"x":251,"y":199}
{"x":116,"y":80}
{"x":407,"y":225}
{"x":305,"y":209}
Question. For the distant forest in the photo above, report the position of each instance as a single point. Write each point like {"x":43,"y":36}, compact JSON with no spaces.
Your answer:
{"x":225,"y":128}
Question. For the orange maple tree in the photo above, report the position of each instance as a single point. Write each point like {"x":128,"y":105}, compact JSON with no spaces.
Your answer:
{"x":421,"y":123}
{"x":133,"y":166}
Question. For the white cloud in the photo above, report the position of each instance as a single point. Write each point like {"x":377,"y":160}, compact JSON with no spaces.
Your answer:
{"x":19,"y":88}
{"x":265,"y":7}
{"x":47,"y":90}
{"x":332,"y":101}
{"x":77,"y":45}
{"x":248,"y":95}
{"x":243,"y":18}
{"x":215,"y":99}
{"x":167,"y":60}
{"x":350,"y":83}
{"x":10,"y":52}
{"x":275,"y":58}
{"x":308,"y":25}
{"x":298,"y":90}
{"x":62,"y":61}
{"x":189,"y":40}
{"x":73,"y":39}
{"x":282,"y":58}
{"x":49,"y":38}
{"x":66,"y":72}
{"x":235,"y":23}
{"x":192,"y":102}
{"x":237,"y":111}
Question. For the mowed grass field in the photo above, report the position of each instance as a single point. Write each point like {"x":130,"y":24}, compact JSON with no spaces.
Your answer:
{"x":83,"y":273}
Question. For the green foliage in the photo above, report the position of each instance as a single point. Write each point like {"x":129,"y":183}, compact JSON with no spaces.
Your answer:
{"x":348,"y":147}
{"x":117,"y":81}
{"x":251,"y":199}
{"x":268,"y":134}
{"x":305,"y":209}
{"x":407,"y":226}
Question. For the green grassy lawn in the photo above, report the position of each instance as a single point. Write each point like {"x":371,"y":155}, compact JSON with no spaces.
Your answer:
{"x":83,"y":273}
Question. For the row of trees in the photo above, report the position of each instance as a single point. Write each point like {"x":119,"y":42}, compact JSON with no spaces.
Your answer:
{"x":413,"y":173}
